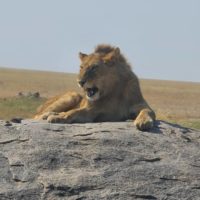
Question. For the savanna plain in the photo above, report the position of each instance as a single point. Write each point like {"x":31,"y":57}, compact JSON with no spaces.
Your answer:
{"x":173,"y":101}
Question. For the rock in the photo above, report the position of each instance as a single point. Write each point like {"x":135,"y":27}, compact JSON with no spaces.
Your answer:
{"x":33,"y":95}
{"x":16,"y":120}
{"x":98,"y":161}
{"x":29,"y":94}
{"x":20,"y":94}
{"x":7,"y":123}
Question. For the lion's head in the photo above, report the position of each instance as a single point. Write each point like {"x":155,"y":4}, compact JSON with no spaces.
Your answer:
{"x":101,"y":72}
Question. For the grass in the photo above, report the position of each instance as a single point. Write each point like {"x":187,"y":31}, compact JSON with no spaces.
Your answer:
{"x":190,"y":123}
{"x":22,"y":107}
{"x":173,"y":101}
{"x":13,"y":81}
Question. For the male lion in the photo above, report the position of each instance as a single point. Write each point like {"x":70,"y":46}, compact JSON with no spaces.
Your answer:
{"x":111,"y":93}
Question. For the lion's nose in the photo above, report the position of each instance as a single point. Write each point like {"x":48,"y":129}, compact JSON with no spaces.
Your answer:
{"x":81,"y":83}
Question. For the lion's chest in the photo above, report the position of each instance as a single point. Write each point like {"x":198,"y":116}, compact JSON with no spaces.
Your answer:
{"x":117,"y":112}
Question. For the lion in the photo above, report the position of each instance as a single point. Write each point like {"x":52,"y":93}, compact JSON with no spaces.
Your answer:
{"x":111,"y":92}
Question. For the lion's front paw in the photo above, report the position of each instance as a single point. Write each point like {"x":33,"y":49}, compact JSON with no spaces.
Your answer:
{"x":144,"y":123}
{"x":45,"y":115}
{"x":55,"y":119}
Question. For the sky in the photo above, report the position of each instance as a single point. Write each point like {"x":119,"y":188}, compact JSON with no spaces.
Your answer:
{"x":160,"y":38}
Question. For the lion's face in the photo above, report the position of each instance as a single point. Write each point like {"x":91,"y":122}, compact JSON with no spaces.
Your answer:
{"x":97,"y":75}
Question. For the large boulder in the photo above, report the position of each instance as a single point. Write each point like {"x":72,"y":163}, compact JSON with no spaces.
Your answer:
{"x":115,"y":161}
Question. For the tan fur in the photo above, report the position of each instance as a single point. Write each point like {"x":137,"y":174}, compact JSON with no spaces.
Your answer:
{"x":111,"y":93}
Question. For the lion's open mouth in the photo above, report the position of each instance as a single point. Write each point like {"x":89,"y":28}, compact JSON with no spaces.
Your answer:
{"x":91,"y":91}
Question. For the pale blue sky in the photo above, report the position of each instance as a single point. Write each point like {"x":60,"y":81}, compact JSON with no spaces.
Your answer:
{"x":160,"y":38}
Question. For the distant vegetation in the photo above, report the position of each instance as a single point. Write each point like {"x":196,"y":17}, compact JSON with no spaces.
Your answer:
{"x":173,"y":101}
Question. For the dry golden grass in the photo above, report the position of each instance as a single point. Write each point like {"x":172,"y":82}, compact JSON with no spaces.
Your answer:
{"x":48,"y":84}
{"x":173,"y":101}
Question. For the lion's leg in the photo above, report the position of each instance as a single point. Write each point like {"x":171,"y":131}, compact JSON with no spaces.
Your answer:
{"x":79,"y":115}
{"x":59,"y":104}
{"x":145,"y":117}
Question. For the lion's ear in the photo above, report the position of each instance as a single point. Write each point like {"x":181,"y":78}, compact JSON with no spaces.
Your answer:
{"x":82,"y":56}
{"x":112,"y":56}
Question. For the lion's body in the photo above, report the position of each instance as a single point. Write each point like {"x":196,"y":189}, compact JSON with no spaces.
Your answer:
{"x":112,"y":93}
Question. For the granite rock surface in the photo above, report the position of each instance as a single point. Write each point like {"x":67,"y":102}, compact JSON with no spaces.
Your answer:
{"x":114,"y":161}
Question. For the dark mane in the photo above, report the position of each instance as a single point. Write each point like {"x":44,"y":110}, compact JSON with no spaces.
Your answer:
{"x":104,"y":49}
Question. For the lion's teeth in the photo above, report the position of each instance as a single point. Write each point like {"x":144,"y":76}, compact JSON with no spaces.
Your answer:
{"x":91,"y":91}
